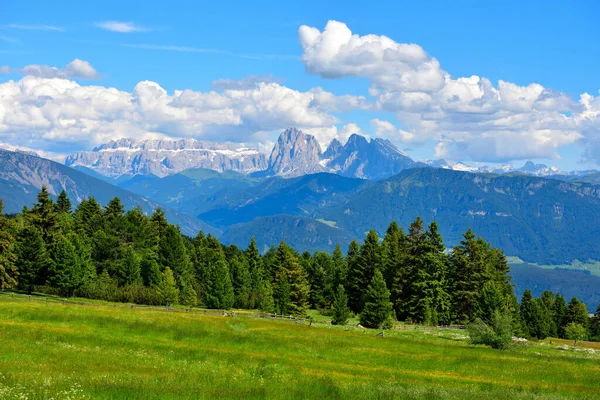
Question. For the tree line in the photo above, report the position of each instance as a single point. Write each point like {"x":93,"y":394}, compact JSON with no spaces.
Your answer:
{"x":116,"y":255}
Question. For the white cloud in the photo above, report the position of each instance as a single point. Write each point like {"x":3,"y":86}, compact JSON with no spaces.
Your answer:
{"x":75,"y":69}
{"x":50,"y":114}
{"x":248,"y":82}
{"x":120,"y":26}
{"x":9,"y":39}
{"x":36,"y":27}
{"x":337,"y":53}
{"x":468,"y":117}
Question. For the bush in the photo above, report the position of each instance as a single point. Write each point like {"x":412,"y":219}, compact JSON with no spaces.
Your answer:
{"x":497,"y":335}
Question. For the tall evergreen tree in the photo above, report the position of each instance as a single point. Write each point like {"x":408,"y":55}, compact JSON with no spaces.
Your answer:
{"x":339,"y":267}
{"x":266,"y":302}
{"x":577,"y":313}
{"x":377,"y":312}
{"x":218,"y":290}
{"x":129,"y":267}
{"x":71,"y":267}
{"x":340,"y":311}
{"x":241,"y":280}
{"x":355,"y":278}
{"x":32,"y":259}
{"x":560,"y":314}
{"x":490,"y":300}
{"x":289,"y":265}
{"x":167,"y":289}
{"x":282,"y":294}
{"x":595,"y":325}
{"x":63,"y":204}
{"x":257,"y":272}
{"x":44,"y":215}
{"x":8,"y":268}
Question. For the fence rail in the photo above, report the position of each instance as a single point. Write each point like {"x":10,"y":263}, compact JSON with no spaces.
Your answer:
{"x":216,"y":312}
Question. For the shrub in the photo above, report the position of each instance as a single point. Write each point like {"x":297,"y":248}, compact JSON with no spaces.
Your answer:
{"x":497,"y":335}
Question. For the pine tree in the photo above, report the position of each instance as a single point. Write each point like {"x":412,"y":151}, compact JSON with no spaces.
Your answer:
{"x":377,"y":312}
{"x":577,"y":313}
{"x":560,"y":315}
{"x":266,"y":302}
{"x":129,"y":269}
{"x":282,"y":294}
{"x":88,"y":217}
{"x":257,"y":272}
{"x":547,"y":299}
{"x":318,"y":271}
{"x":429,"y":301}
{"x":65,"y":273}
{"x":114,"y":209}
{"x":289,"y":265}
{"x":341,"y":312}
{"x":528,"y":314}
{"x":370,"y":258}
{"x":167,"y":289}
{"x":241,"y":280}
{"x":33,"y":261}
{"x":218,"y":289}
{"x":8,"y":268}
{"x":189,"y":297}
{"x":63,"y":204}
{"x":356,"y":277}
{"x":490,"y":300}
{"x":44,"y":215}
{"x":339,"y":267}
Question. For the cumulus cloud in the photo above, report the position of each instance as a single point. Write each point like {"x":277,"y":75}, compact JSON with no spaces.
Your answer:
{"x":469,"y":117}
{"x":75,"y":69}
{"x":51,"y":113}
{"x":120,"y":26}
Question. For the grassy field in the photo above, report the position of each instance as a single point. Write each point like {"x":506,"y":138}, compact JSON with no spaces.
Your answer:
{"x":103,"y":352}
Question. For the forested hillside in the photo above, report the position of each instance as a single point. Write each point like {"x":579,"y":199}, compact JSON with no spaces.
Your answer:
{"x":108,"y":253}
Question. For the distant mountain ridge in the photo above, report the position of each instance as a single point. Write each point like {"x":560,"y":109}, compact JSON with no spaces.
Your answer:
{"x":166,"y":157}
{"x":23,"y":175}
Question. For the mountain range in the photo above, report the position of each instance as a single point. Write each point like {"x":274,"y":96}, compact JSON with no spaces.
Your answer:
{"x":294,"y":154}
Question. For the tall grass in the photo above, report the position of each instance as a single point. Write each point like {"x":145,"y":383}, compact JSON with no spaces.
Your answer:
{"x":73,"y":351}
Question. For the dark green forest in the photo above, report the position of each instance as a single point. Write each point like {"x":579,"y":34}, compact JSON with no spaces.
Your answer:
{"x":107,"y":253}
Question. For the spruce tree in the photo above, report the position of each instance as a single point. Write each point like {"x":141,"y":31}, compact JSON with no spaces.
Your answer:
{"x":189,"y":297}
{"x":289,"y":265}
{"x":167,"y":289}
{"x":282,"y":294}
{"x":129,"y":267}
{"x":257,"y":272}
{"x":560,"y":314}
{"x":266,"y":302}
{"x":340,"y":311}
{"x":44,"y":215}
{"x":339,"y":267}
{"x":218,"y":290}
{"x":64,"y":273}
{"x":490,"y":300}
{"x":377,"y":312}
{"x":63,"y":204}
{"x":8,"y":268}
{"x":318,"y":271}
{"x":241,"y":280}
{"x":528,"y":314}
{"x":577,"y":313}
{"x":355,"y":283}
{"x":32,"y":259}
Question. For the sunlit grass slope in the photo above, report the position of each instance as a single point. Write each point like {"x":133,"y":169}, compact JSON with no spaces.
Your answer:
{"x":74,"y":351}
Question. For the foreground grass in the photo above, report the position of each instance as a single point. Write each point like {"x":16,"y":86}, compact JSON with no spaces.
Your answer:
{"x":75,"y":351}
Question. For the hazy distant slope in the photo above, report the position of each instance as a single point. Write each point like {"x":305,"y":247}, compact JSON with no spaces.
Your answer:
{"x":21,"y":177}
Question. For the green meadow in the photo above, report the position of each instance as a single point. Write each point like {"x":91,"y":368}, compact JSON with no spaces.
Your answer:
{"x":56,"y":351}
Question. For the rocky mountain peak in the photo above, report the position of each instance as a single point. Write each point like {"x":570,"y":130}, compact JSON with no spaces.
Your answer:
{"x":295,"y":154}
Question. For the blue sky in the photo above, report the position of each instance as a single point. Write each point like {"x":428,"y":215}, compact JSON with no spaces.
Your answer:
{"x":189,"y":45}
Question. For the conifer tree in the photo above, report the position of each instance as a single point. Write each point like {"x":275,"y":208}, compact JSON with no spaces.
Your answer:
{"x":528,"y":314}
{"x":560,"y":314}
{"x":341,"y":312}
{"x":256,"y":270}
{"x":167,"y":289}
{"x":88,"y":217}
{"x":547,"y":300}
{"x":490,"y":300}
{"x":266,"y":302}
{"x":241,"y":280}
{"x":318,"y":271}
{"x":282,"y":294}
{"x":577,"y":313}
{"x":429,"y":302}
{"x":8,"y":268}
{"x":289,"y":265}
{"x":63,"y":204}
{"x":45,"y":216}
{"x":66,"y":272}
{"x":339,"y":267}
{"x":189,"y":297}
{"x":355,"y":283}
{"x":129,"y":267}
{"x":218,"y":290}
{"x":32,"y":259}
{"x":377,"y":312}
